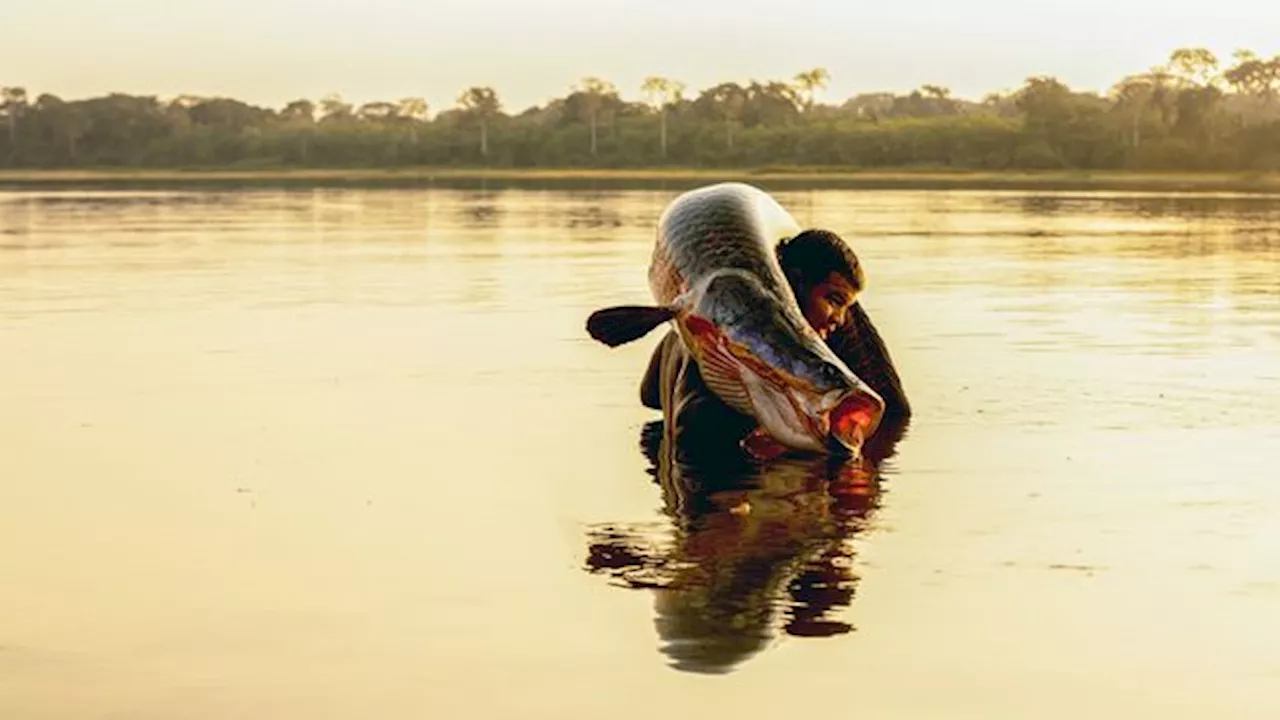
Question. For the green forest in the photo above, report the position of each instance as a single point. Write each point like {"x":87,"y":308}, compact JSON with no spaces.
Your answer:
{"x":1194,"y":112}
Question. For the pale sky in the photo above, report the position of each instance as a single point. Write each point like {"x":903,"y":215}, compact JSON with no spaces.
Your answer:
{"x":272,"y":51}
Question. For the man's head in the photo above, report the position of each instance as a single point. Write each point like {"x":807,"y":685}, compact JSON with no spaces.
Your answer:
{"x":825,"y":276}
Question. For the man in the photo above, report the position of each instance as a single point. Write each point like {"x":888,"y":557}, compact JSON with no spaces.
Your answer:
{"x":826,"y":277}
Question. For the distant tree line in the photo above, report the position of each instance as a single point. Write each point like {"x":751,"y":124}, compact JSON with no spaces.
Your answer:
{"x":1192,"y":113}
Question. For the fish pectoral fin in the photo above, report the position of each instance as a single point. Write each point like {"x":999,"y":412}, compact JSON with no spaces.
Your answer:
{"x":725,"y":379}
{"x":761,"y":446}
{"x":620,"y":325}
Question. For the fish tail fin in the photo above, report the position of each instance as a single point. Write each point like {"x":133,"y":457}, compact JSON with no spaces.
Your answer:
{"x":619,"y":325}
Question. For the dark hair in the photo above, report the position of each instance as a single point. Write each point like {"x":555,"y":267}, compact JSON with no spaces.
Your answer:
{"x":808,"y":258}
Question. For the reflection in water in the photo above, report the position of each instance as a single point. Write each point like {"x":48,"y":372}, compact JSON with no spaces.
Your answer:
{"x":480,"y":210}
{"x":1042,"y":204}
{"x":593,"y":217}
{"x":754,"y":549}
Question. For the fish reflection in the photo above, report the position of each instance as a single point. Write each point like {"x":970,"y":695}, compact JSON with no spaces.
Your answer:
{"x":751,"y":552}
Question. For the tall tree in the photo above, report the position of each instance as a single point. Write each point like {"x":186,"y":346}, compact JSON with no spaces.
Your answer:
{"x":334,"y":109}
{"x":1199,"y":115}
{"x":412,"y":107}
{"x":594,"y":92}
{"x":303,"y":110}
{"x":810,"y":81}
{"x":662,"y":93}
{"x":414,"y":111}
{"x":1157,"y":89}
{"x":300,"y":116}
{"x":482,"y":104}
{"x":769,"y":103}
{"x":1133,"y":98}
{"x":63,"y":121}
{"x":14,"y":104}
{"x":1194,"y":66}
{"x":726,"y":101}
{"x":1252,"y":75}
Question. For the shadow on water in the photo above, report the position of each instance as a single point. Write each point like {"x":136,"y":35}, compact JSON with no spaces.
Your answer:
{"x":751,"y":551}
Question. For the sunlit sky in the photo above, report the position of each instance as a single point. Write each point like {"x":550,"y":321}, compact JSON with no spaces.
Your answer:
{"x":273,"y":51}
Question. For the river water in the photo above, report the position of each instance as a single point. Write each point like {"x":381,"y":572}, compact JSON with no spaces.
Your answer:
{"x":340,"y":453}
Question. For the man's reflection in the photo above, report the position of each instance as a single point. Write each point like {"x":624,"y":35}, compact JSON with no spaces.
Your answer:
{"x":753,"y":548}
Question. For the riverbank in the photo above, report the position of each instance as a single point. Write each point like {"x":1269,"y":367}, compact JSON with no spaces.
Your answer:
{"x":816,"y":177}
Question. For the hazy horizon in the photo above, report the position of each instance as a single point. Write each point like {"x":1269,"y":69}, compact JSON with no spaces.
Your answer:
{"x":269,"y":52}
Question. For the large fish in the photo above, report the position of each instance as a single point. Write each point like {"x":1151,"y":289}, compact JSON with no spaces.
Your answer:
{"x":715,"y":276}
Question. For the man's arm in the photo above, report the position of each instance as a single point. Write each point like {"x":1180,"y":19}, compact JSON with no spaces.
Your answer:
{"x":651,"y":383}
{"x":860,"y":346}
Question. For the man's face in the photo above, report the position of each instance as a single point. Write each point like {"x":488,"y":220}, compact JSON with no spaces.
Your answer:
{"x":827,"y":304}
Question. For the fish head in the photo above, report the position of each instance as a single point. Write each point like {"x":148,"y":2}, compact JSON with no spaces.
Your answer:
{"x":756,"y":351}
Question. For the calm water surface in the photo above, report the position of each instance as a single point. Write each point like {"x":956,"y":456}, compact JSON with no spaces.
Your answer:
{"x":349,"y":453}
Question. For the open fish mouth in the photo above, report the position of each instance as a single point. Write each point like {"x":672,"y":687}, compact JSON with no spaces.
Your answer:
{"x":854,"y":419}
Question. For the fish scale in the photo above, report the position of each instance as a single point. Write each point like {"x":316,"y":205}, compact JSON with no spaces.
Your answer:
{"x":722,"y":226}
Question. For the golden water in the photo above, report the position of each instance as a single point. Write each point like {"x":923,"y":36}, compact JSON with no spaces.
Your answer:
{"x":349,"y":454}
